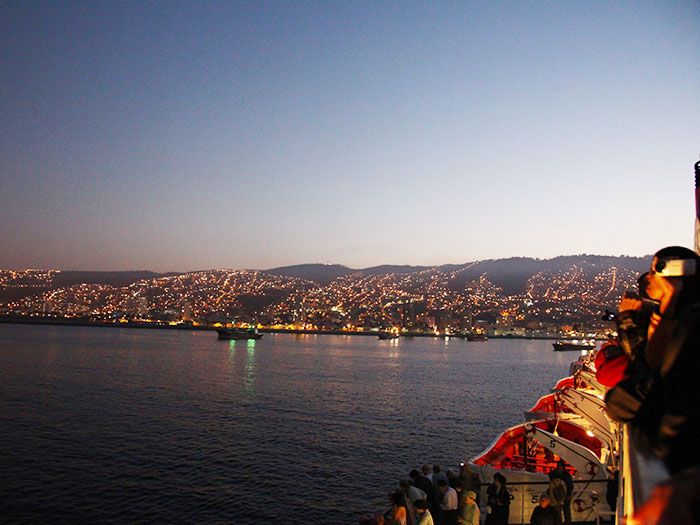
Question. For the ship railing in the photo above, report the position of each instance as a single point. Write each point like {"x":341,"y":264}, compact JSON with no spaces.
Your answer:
{"x":596,"y":506}
{"x":640,"y":474}
{"x":607,"y":514}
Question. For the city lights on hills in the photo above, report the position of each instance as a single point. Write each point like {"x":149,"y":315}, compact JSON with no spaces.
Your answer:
{"x":432,"y":301}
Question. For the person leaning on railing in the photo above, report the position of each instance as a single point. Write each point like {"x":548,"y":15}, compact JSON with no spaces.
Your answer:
{"x":657,"y":393}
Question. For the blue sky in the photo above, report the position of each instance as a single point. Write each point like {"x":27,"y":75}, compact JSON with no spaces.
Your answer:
{"x":192,"y":135}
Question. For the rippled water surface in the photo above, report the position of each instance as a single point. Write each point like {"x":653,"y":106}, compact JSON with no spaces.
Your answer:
{"x":134,"y":425}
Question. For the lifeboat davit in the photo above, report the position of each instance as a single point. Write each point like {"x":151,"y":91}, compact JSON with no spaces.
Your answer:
{"x":583,"y":407}
{"x":537,"y":446}
{"x":581,"y":380}
{"x":550,"y":406}
{"x":526,"y":453}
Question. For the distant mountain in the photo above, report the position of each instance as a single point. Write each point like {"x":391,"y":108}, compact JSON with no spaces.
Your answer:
{"x":518,"y":292}
{"x":512,"y":274}
{"x":322,"y":274}
{"x":16,"y":288}
{"x":387,"y":268}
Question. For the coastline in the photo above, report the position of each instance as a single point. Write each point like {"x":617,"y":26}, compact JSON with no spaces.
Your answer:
{"x":69,"y":321}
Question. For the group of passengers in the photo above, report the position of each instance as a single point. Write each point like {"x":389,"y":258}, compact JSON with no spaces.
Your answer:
{"x":433,"y":497}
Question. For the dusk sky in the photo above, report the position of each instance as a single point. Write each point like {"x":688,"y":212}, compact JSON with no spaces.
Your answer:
{"x":176,"y":136}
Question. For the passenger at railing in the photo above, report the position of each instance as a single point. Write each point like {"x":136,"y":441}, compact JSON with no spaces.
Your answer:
{"x":397,"y":513}
{"x":467,"y":511}
{"x":612,"y":489}
{"x":569,"y":482}
{"x":660,"y":335}
{"x":498,"y":501}
{"x":424,"y":484}
{"x":434,"y":503}
{"x":659,"y":395}
{"x":438,"y":475}
{"x":544,"y":513}
{"x":452,"y":479}
{"x":427,"y":472}
{"x":413,"y":493}
{"x":449,"y":504}
{"x":424,"y":516}
{"x":557,"y":492}
{"x":470,"y":480}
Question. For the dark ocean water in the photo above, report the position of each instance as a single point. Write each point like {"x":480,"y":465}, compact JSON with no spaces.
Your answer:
{"x":108,"y":425}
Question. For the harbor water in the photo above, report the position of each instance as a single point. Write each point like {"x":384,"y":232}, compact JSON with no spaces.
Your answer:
{"x":140,"y":426}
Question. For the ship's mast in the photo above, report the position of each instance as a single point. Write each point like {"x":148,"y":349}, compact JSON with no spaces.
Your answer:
{"x":697,"y":207}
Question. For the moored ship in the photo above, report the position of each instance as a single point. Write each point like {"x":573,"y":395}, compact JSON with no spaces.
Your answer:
{"x":394,"y":333}
{"x":573,"y":346}
{"x":476,"y":335}
{"x":235,"y":333}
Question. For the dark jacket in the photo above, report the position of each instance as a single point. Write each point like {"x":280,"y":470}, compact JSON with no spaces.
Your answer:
{"x":499,"y":501}
{"x":426,"y":486}
{"x":545,"y":516}
{"x":663,"y":404}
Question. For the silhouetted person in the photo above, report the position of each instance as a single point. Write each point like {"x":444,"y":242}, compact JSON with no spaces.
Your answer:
{"x":424,"y":516}
{"x":545,"y":514}
{"x":569,"y":483}
{"x":468,"y":511}
{"x":470,"y":480}
{"x":424,"y":484}
{"x":659,"y":333}
{"x":498,"y":501}
{"x":449,"y":504}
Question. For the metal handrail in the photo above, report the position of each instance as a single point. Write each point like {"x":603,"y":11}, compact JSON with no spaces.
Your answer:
{"x":640,"y":474}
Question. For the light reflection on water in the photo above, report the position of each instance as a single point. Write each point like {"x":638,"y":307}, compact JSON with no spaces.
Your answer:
{"x":148,"y":425}
{"x":242,"y":361}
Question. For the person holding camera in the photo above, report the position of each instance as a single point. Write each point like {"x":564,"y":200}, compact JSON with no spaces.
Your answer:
{"x":659,"y":332}
{"x":657,"y":394}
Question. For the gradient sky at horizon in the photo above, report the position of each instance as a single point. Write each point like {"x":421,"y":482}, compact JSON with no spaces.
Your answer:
{"x":175,"y":136}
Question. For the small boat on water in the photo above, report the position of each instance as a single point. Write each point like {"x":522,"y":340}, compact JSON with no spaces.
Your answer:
{"x":477,"y":336}
{"x":388,"y":335}
{"x":234,"y":333}
{"x":573,"y":345}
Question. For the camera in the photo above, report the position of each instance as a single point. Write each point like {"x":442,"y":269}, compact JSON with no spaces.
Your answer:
{"x":649,"y":306}
{"x":609,"y":315}
{"x":632,"y":324}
